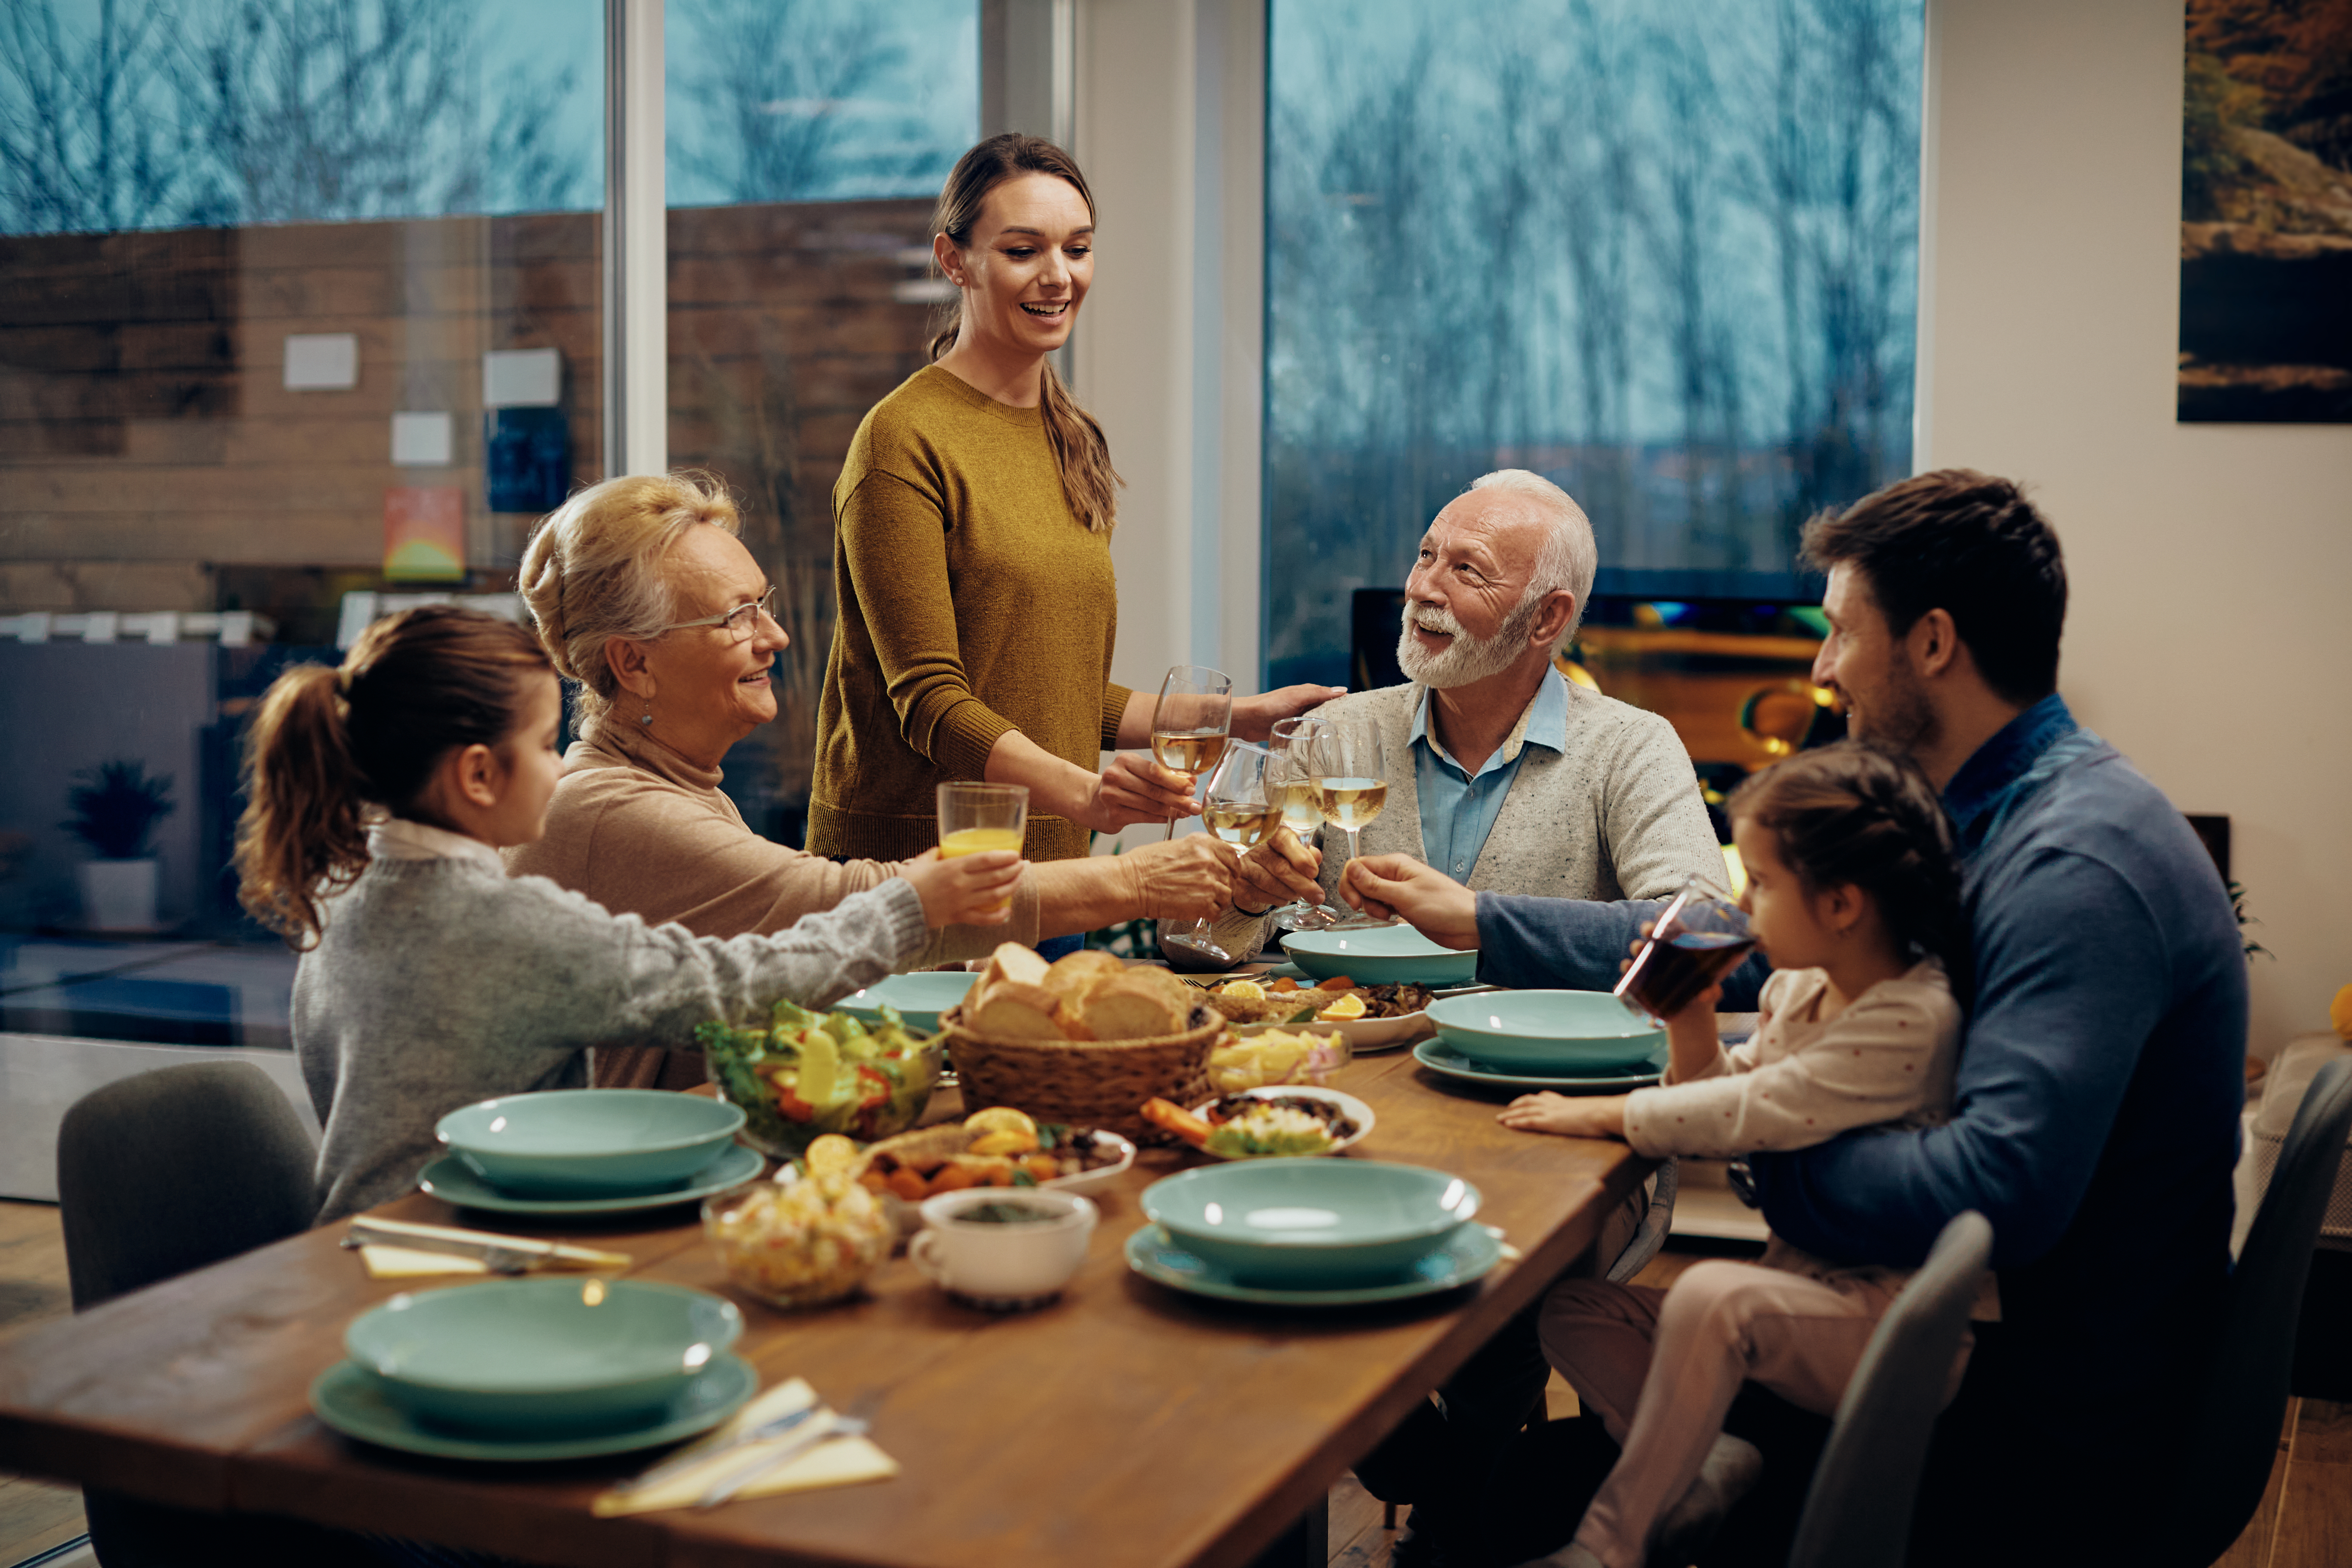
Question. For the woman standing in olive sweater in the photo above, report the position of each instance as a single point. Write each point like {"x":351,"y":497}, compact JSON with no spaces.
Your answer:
{"x":972,"y":555}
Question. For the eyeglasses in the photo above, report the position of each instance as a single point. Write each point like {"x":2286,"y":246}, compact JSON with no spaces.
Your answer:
{"x":740,"y":622}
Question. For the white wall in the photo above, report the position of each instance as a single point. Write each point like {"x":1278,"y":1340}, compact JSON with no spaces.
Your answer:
{"x":2208,"y":635}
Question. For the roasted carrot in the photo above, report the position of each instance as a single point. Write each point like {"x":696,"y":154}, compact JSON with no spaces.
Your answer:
{"x":1336,"y":983}
{"x":1172,"y":1118}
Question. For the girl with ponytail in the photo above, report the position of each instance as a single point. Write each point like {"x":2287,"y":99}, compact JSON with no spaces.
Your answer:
{"x":971,"y":558}
{"x":380,"y":795}
{"x":1854,"y":895}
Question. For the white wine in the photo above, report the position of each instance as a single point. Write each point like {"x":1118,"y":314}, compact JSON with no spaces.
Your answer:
{"x":1301,"y":806}
{"x":1192,"y":751}
{"x":1246,"y":825}
{"x":1351,"y":802}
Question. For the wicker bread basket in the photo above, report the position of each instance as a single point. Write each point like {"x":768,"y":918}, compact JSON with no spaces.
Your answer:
{"x":1085,"y":1083}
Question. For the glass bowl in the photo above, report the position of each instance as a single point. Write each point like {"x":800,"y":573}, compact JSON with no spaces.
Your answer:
{"x":801,"y":1243}
{"x":880,"y":1076}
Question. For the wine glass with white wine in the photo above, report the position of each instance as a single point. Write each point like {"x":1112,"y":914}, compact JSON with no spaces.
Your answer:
{"x":1192,"y":722}
{"x":1239,"y":806}
{"x":1292,"y":772}
{"x":1351,"y":786}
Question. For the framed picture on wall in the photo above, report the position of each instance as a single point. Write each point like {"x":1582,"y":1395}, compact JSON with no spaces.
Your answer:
{"x":2266,"y":213}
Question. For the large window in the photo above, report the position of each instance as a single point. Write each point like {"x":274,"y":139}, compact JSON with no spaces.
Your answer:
{"x":808,"y":141}
{"x":1661,"y":251}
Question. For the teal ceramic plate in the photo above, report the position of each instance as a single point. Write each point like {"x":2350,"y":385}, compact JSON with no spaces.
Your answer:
{"x":1440,"y":1058}
{"x":585,"y":1143}
{"x":527,"y":1357}
{"x":351,"y":1399}
{"x":1586,"y":1033}
{"x":448,"y":1180}
{"x":1310,"y":1222}
{"x":918,"y":998}
{"x":1381,"y":956}
{"x":1466,"y":1256}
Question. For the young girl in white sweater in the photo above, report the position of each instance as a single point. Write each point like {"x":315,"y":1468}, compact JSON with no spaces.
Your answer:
{"x":381,"y":793}
{"x":1853,"y":894}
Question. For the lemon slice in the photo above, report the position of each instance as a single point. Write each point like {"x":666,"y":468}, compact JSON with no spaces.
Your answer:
{"x":831,"y":1153}
{"x":1348,"y":1006}
{"x":1003,"y":1118}
{"x":990,"y":1144}
{"x":1243,"y":991}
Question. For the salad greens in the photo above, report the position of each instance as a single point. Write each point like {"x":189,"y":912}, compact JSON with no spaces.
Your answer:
{"x":810,"y":1073}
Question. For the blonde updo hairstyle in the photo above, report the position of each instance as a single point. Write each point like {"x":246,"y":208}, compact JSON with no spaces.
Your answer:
{"x":592,"y":571}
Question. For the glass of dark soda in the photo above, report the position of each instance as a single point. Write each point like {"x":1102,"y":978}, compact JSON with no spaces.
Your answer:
{"x":1695,"y":940}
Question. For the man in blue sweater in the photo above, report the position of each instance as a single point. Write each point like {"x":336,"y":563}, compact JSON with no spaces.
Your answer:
{"x":2102,"y":1070}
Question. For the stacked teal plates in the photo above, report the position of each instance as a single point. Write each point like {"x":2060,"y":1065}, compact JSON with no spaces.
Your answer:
{"x":1381,"y":956}
{"x":918,"y":999}
{"x":1313,"y":1224}
{"x":1461,"y":1258}
{"x":541,"y":1357}
{"x":1442,"y":1058}
{"x":449,"y":1179}
{"x":1582,"y":1033}
{"x":591,"y":1143}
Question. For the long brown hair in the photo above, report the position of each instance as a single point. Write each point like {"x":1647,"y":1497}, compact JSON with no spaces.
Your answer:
{"x":1851,"y":815}
{"x":1081,"y":454}
{"x":328,"y":743}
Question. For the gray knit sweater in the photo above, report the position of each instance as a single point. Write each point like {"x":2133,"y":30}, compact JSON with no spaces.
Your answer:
{"x":440,"y":983}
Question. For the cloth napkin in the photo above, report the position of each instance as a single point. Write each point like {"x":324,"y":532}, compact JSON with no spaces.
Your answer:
{"x":837,"y":1462}
{"x":407,"y":1263}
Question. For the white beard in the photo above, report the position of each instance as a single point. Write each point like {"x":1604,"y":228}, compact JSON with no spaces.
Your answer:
{"x":1467,"y":660}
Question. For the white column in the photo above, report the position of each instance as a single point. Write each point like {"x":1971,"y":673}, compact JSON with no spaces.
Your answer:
{"x":636,"y":243}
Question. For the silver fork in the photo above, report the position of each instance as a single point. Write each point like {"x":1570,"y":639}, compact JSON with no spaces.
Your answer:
{"x":697,"y":1455}
{"x":854,"y":1424}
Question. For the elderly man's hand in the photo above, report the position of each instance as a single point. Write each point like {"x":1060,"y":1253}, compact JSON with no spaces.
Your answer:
{"x":1276,"y":872}
{"x":1187,"y":879}
{"x":1398,"y":887}
{"x":1256,"y":716}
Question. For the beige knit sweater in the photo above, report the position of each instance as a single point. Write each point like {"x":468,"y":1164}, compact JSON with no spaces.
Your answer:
{"x":643,"y":831}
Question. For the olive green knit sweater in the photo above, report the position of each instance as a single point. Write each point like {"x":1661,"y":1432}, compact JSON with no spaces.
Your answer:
{"x":972,"y":603}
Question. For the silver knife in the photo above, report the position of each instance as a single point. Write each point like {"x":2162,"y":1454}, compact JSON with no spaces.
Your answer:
{"x":702,"y":1453}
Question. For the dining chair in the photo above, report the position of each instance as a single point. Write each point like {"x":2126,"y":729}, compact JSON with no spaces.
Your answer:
{"x":2230,"y":1440}
{"x":159,"y":1175}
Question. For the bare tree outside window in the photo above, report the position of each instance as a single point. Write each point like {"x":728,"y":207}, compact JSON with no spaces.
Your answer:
{"x":1664,"y":251}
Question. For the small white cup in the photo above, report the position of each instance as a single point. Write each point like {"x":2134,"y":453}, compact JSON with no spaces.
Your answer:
{"x":1002,"y":1267}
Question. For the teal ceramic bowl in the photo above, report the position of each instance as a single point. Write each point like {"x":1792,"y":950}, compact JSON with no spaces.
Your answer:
{"x":1548,"y":1031}
{"x":1311,"y":1223}
{"x":589,"y":1143}
{"x":1381,"y":956}
{"x":919,"y":999}
{"x":533,"y":1355}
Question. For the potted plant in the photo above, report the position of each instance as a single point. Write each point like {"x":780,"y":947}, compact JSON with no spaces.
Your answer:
{"x":115,"y":809}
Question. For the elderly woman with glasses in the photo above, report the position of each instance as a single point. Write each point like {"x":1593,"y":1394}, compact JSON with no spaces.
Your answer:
{"x":659,"y":618}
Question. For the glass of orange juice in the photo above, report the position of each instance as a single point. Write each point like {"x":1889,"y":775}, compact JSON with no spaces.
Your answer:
{"x":977,"y":817}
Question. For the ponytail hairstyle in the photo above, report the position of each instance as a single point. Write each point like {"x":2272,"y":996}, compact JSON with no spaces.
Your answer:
{"x":1081,"y":455}
{"x":1851,"y":814}
{"x":328,"y":744}
{"x":592,"y":571}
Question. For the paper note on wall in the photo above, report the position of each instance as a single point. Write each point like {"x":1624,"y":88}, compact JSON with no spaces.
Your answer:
{"x":424,"y":533}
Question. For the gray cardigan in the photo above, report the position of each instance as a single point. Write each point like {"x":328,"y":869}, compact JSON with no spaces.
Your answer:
{"x":440,"y":983}
{"x":1614,"y":816}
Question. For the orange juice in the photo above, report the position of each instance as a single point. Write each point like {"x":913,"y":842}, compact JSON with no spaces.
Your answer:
{"x":979,"y":841}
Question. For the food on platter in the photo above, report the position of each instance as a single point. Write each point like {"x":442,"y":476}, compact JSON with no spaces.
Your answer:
{"x":1335,"y":1001}
{"x":812,"y":1241}
{"x":999,"y":1147}
{"x":809,"y":1074}
{"x":1277,"y":1055}
{"x":1083,"y":995}
{"x":1258,"y":1126}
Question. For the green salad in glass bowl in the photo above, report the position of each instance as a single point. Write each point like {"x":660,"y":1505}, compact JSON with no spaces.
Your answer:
{"x":807,"y":1074}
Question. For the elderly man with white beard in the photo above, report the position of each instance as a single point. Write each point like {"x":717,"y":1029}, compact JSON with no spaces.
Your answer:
{"x":1518,"y":782}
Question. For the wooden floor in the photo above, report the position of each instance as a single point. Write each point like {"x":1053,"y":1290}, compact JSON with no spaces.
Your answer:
{"x":2305,"y":1519}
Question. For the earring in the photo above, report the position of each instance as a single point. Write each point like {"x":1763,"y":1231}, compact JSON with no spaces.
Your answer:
{"x":647,"y":720}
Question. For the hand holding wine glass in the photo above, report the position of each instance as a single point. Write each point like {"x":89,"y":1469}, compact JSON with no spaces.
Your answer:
{"x":1351,"y":786}
{"x":1192,"y":722}
{"x":1239,"y":808}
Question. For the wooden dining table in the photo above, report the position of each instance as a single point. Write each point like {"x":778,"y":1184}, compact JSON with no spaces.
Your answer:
{"x":1126,"y":1425}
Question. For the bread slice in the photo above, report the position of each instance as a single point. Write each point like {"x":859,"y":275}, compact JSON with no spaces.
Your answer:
{"x":1130,"y":1007}
{"x":1011,"y":960}
{"x":1074,"y":974}
{"x":1014,"y":1010}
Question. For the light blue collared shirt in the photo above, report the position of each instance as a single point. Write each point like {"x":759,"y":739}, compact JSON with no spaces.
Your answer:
{"x":1458,"y":809}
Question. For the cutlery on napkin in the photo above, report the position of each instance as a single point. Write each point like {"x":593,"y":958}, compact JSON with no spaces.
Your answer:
{"x":399,"y":1250}
{"x":786,"y":1440}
